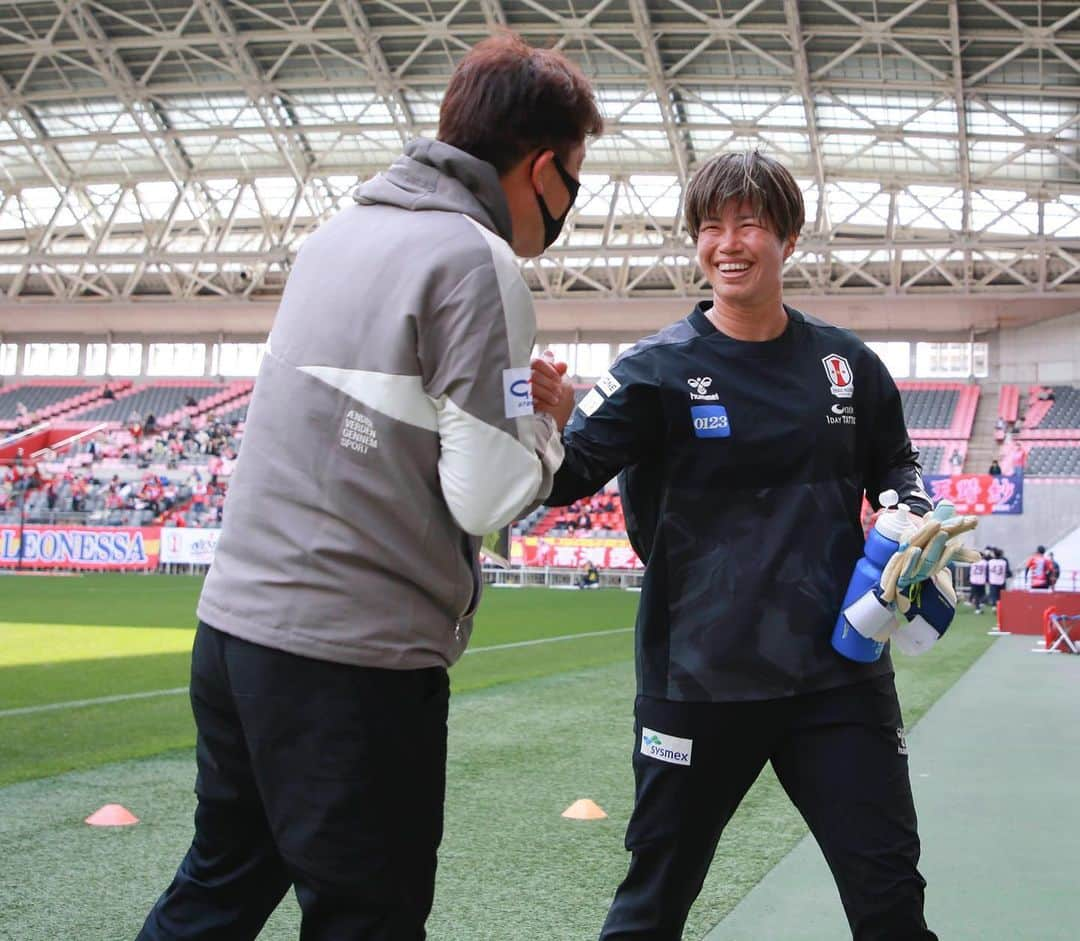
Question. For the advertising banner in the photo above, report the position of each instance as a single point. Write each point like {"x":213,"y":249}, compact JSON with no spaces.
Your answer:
{"x":979,"y":494}
{"x":572,"y":551}
{"x":188,"y":546}
{"x":86,"y":548}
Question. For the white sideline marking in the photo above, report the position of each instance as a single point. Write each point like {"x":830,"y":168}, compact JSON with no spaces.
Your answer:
{"x":124,"y":697}
{"x":546,"y":640}
{"x":77,"y":703}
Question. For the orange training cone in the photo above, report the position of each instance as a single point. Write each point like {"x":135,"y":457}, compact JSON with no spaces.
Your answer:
{"x":112,"y":815}
{"x":584,"y":809}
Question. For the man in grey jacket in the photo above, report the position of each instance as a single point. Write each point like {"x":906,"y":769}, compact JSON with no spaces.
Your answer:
{"x":391,"y":427}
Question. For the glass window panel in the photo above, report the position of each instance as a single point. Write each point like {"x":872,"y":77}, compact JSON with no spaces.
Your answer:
{"x":981,"y":360}
{"x":125,"y":359}
{"x":237,"y":359}
{"x":51,"y":359}
{"x":176,"y":359}
{"x":96,"y":358}
{"x":951,"y":360}
{"x":593,"y":359}
{"x":896,"y":355}
{"x":9,"y":355}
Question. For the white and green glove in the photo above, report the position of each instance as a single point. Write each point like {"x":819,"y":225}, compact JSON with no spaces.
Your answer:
{"x":925,"y":557}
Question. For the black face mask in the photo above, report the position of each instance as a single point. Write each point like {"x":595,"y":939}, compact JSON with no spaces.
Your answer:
{"x":553,"y":226}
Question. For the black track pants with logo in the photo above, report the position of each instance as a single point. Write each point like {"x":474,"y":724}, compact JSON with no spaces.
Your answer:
{"x":840,"y":756}
{"x":322,"y":776}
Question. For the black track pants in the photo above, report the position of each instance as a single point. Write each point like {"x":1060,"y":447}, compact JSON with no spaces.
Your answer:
{"x":321,"y":776}
{"x":840,"y":755}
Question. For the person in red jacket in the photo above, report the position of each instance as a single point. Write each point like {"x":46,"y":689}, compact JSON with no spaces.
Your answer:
{"x":1038,"y":568}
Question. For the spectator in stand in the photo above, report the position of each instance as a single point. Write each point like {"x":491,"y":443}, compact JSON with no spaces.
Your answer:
{"x":583,"y":523}
{"x":1037,"y":568}
{"x":199,"y":491}
{"x":149,"y":425}
{"x":977,"y":581}
{"x":191,"y":402}
{"x":78,"y":494}
{"x":108,"y":394}
{"x":1054,"y":573}
{"x":995,"y":468}
{"x":956,"y":461}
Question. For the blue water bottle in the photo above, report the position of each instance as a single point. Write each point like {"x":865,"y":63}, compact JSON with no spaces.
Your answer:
{"x":862,"y":616}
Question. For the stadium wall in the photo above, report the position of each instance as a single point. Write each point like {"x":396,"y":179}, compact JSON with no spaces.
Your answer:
{"x":1046,"y":353}
{"x":1051,"y":511}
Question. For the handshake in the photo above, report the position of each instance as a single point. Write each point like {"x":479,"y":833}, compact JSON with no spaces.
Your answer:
{"x":913,"y":583}
{"x":552,"y":393}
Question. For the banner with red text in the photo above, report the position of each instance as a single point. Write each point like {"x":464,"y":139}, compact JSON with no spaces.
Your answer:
{"x":979,"y":494}
{"x":572,"y":551}
{"x":87,"y":548}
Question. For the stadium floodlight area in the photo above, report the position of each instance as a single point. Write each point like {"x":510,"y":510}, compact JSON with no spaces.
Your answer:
{"x":184,"y":151}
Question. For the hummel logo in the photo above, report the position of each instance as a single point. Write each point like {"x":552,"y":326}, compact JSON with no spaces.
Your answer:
{"x":700,"y":385}
{"x":838,"y":409}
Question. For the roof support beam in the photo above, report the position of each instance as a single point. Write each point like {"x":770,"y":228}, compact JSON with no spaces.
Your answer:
{"x":676,"y":138}
{"x":964,"y":153}
{"x":378,"y":68}
{"x":806,"y":90}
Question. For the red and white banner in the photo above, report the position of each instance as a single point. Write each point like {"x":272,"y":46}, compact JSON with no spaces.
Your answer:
{"x":188,"y":546}
{"x":981,"y":494}
{"x":571,"y":552}
{"x":87,"y":548}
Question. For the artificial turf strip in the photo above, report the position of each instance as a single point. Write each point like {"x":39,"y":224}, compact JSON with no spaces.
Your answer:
{"x":121,"y":600}
{"x":510,"y":868}
{"x":50,"y":663}
{"x":169,"y":601}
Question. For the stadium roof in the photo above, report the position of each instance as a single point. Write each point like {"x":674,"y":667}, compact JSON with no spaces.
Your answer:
{"x":181,"y":149}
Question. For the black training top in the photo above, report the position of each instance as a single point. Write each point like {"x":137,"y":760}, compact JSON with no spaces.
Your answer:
{"x":742,"y":468}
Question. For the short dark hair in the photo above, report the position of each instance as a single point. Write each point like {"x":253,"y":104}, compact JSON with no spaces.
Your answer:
{"x":1040,"y":549}
{"x":752,"y":177}
{"x":506,"y":98}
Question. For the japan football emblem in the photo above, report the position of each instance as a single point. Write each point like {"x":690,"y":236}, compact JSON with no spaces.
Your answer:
{"x":841,"y":379}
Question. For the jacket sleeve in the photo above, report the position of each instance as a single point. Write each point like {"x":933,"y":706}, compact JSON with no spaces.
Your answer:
{"x":618,"y":424}
{"x":892,"y":460}
{"x":495,"y":456}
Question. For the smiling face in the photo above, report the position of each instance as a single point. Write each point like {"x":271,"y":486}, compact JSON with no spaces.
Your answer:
{"x":742,"y":257}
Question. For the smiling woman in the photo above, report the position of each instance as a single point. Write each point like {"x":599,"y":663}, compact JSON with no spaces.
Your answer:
{"x":745,"y":212}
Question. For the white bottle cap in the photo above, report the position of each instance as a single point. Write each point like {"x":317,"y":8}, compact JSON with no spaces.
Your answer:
{"x":896,"y":524}
{"x":888,"y":498}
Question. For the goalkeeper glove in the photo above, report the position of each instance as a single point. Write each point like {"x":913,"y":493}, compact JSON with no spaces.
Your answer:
{"x":931,"y":608}
{"x":925,"y":555}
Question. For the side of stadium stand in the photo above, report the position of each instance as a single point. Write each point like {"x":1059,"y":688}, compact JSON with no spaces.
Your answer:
{"x":944,"y":410}
{"x":52,"y":399}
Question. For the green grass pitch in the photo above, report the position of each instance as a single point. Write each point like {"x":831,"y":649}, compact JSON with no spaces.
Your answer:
{"x":532,"y":728}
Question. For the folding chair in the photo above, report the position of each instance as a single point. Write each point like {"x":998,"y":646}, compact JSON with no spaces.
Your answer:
{"x":1057,"y":631}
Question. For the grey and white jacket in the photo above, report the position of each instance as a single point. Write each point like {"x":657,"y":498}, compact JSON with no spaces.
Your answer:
{"x":390,"y":427}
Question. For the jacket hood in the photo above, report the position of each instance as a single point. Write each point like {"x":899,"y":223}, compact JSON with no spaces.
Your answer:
{"x":431,"y":175}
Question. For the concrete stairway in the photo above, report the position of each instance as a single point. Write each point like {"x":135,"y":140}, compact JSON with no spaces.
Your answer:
{"x":982,"y":448}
